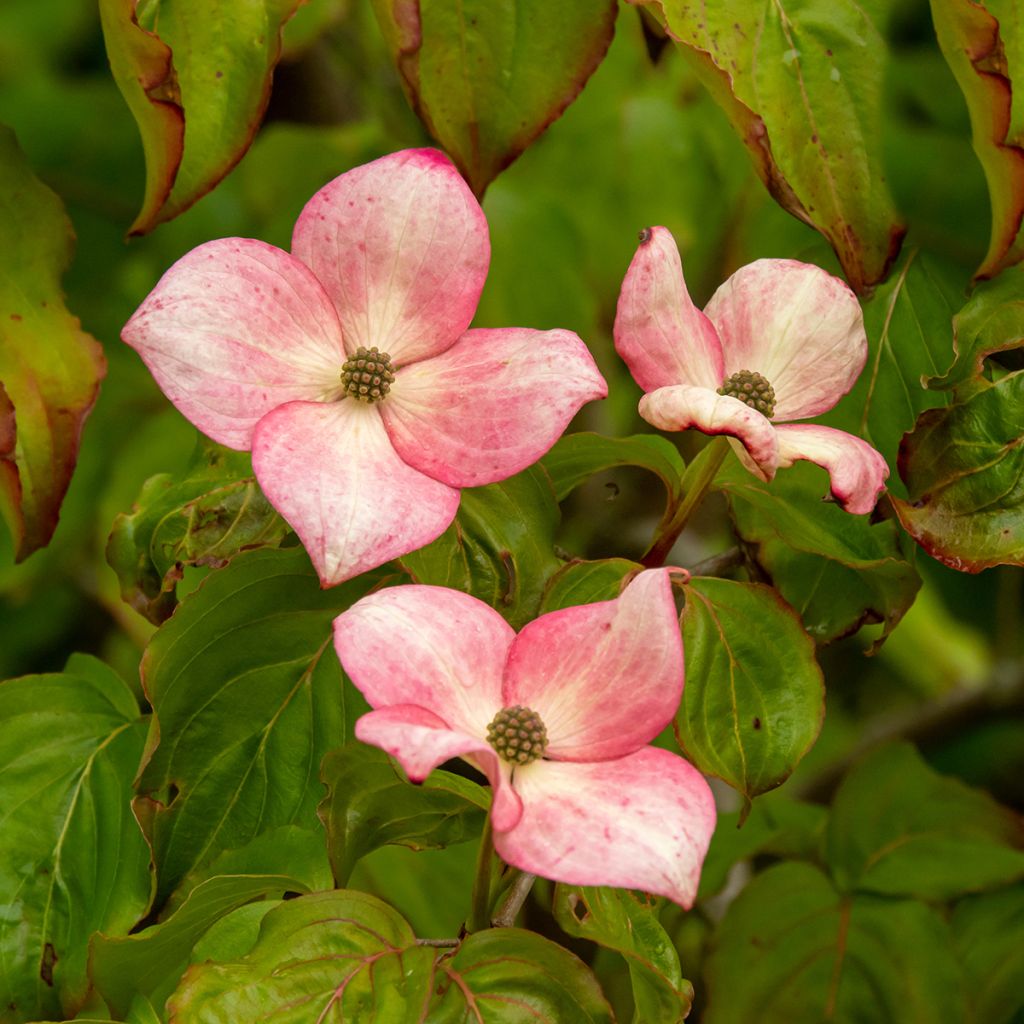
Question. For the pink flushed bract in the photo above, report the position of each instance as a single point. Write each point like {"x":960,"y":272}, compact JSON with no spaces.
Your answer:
{"x":779,"y":341}
{"x":363,"y":452}
{"x":448,"y":677}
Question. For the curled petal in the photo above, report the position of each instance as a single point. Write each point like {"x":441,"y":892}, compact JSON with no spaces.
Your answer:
{"x":491,"y":405}
{"x":857,"y":471}
{"x":234,"y":329}
{"x":331,"y":471}
{"x":419,"y":740}
{"x":605,"y":678}
{"x":639,"y":822}
{"x":401,"y":245}
{"x":797,"y":325}
{"x":681,"y":407}
{"x":431,"y":646}
{"x":661,"y":335}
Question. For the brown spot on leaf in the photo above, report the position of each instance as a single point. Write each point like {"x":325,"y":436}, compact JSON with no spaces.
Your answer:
{"x":50,"y":958}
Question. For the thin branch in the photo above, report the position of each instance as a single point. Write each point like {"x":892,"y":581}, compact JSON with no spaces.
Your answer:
{"x":439,"y":943}
{"x":505,"y":915}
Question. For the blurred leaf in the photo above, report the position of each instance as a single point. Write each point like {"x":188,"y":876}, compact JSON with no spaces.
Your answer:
{"x":488,"y":78}
{"x":247,"y":696}
{"x":196,"y":76}
{"x":50,"y":369}
{"x":776,"y":826}
{"x":801,"y":83}
{"x":627,"y":923}
{"x":587,"y":582}
{"x":907,"y":321}
{"x":838,"y":571}
{"x":203,"y":517}
{"x":152,"y":962}
{"x":977,"y":55}
{"x":754,"y":698}
{"x":791,"y":950}
{"x":991,"y":321}
{"x":370,"y":804}
{"x":575,"y":457}
{"x":72,"y":858}
{"x":964,"y":471}
{"x":987,"y":931}
{"x":511,"y":976}
{"x":898,"y":828}
{"x":500,"y":548}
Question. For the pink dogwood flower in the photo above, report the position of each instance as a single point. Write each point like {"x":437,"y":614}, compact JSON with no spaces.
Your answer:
{"x":346,"y":366}
{"x":779,"y":341}
{"x":558,"y":717}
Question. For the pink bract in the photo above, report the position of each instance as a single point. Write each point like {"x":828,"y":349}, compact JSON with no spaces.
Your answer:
{"x":249,"y":341}
{"x":601,"y":807}
{"x":798,"y":327}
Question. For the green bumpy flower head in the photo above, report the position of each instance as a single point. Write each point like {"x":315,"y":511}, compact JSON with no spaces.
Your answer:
{"x":518,"y":735}
{"x":752,"y":389}
{"x":368,"y":375}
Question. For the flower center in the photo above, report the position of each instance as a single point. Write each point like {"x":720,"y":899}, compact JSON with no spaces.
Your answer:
{"x":752,"y":389}
{"x":368,"y":375}
{"x":518,"y":735}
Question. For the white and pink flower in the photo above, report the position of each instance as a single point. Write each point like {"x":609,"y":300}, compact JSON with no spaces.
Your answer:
{"x":779,"y":341}
{"x":363,"y":452}
{"x":559,"y":718}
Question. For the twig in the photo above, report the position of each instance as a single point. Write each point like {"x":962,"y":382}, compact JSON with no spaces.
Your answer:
{"x":505,"y":915}
{"x":439,"y":943}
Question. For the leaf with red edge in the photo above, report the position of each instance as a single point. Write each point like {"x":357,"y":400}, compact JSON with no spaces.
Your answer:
{"x":964,"y":470}
{"x":50,"y":369}
{"x":976,"y":52}
{"x":487,"y":78}
{"x":802,"y":85}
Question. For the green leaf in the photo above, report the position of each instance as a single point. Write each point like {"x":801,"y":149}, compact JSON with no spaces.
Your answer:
{"x":801,"y":82}
{"x":333,"y":956}
{"x":987,"y":931}
{"x":511,"y":976}
{"x":627,"y":923}
{"x":196,"y":76}
{"x":754,"y":697}
{"x":50,"y":369}
{"x":838,"y":571}
{"x":970,"y":38}
{"x":152,"y":963}
{"x":247,"y":695}
{"x":964,"y":471}
{"x":487,"y":78}
{"x":898,"y":828}
{"x":212,"y":512}
{"x":792,"y":950}
{"x":991,"y":321}
{"x":576,"y":457}
{"x":586,"y":582}
{"x":72,"y":858}
{"x":369,"y":804}
{"x":775,"y":826}
{"x":500,"y":548}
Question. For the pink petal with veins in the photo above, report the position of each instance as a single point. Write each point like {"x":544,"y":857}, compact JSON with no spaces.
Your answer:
{"x":640,"y":822}
{"x":419,"y":740}
{"x":401,"y":246}
{"x":681,"y":407}
{"x":234,"y":329}
{"x":798,"y":326}
{"x":333,"y":474}
{"x":491,"y":405}
{"x":856,"y":470}
{"x":605,"y":678}
{"x":661,"y":335}
{"x":437,"y":648}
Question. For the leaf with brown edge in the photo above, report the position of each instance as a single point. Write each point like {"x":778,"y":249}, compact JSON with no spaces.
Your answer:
{"x":970,"y":38}
{"x":144,"y":72}
{"x":487,"y":78}
{"x":50,"y":369}
{"x":802,"y":85}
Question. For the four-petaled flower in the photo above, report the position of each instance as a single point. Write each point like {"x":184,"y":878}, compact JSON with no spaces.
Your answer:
{"x":346,"y":366}
{"x":558,"y":717}
{"x":779,"y":341}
